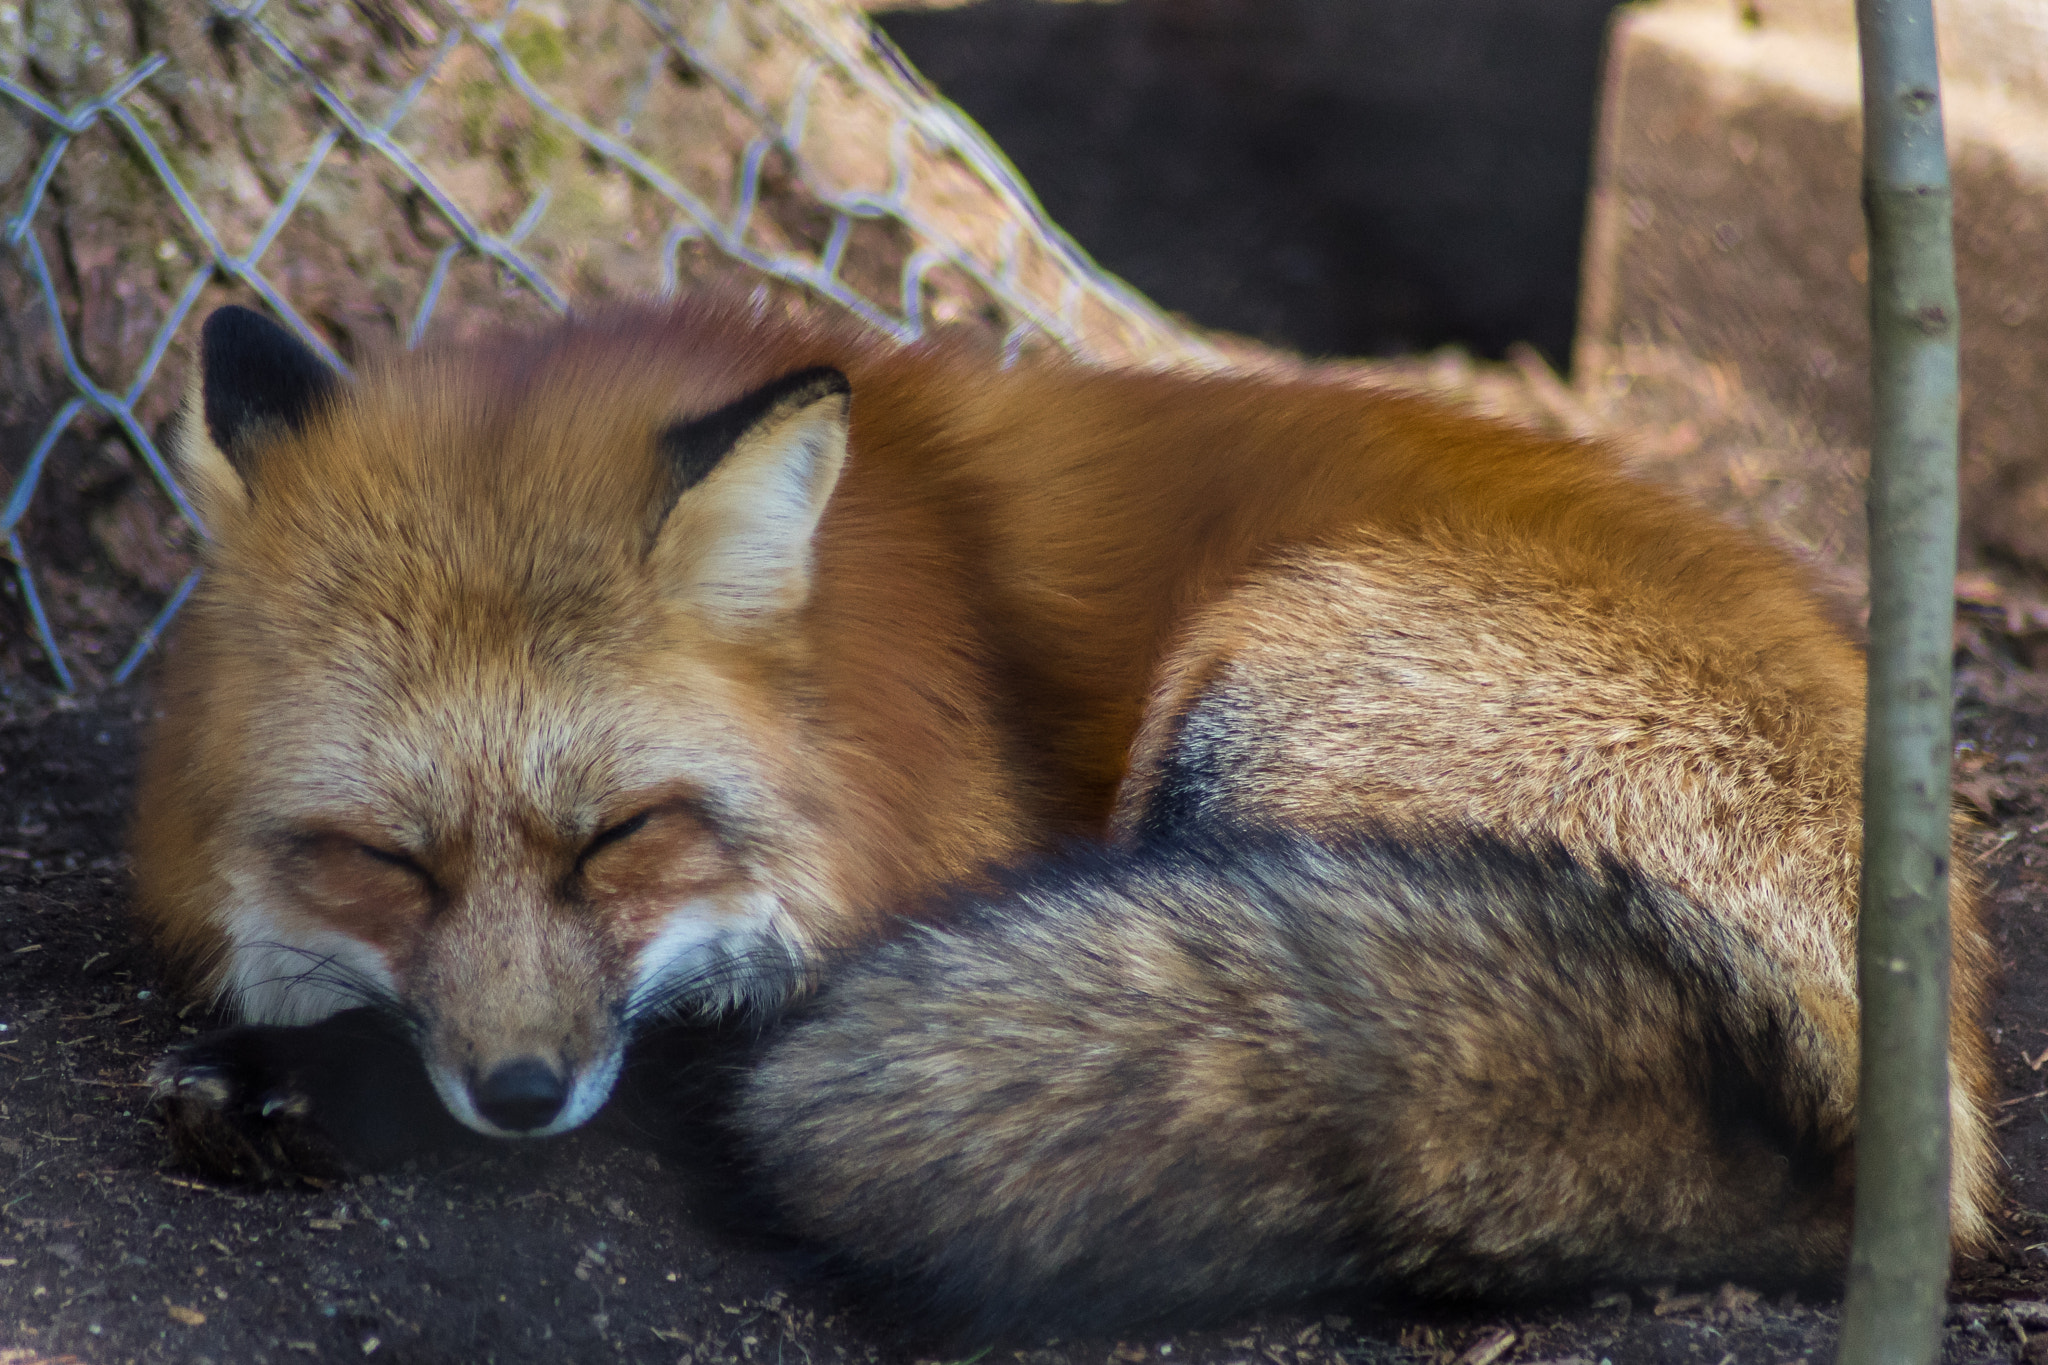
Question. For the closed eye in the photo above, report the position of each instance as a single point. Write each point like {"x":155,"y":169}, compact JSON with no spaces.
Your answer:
{"x":606,"y":838}
{"x":398,"y":860}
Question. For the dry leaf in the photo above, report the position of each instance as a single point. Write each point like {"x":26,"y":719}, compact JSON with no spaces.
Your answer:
{"x":1488,"y":1348}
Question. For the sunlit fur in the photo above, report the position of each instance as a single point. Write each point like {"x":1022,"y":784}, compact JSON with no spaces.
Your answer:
{"x":456,"y":619}
{"x":1230,"y":1071}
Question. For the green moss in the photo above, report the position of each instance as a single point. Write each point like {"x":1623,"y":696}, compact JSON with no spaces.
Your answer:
{"x":534,"y":153}
{"x":477,"y":105}
{"x":538,"y":46}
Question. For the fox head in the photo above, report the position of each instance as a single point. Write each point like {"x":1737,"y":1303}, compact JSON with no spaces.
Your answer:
{"x":490,"y":705}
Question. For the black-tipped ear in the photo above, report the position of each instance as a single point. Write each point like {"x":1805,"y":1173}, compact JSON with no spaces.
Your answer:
{"x":258,"y":380}
{"x":752,"y":482}
{"x":694,"y":448}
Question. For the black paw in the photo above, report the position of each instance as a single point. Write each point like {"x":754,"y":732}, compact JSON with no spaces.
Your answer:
{"x":229,"y":1115}
{"x":265,"y":1104}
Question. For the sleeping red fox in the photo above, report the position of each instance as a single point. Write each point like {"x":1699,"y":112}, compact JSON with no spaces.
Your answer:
{"x":1461,"y":839}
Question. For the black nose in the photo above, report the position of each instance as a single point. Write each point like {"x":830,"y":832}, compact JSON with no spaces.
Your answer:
{"x":521,"y":1095}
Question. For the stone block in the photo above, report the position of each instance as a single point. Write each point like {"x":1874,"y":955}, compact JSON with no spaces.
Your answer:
{"x":1725,"y":223}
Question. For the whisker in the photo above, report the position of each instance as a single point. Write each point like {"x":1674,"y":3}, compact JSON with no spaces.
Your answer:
{"x":327,"y":972}
{"x":756,"y":981}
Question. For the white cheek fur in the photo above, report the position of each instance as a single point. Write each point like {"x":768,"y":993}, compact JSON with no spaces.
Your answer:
{"x":285,"y":973}
{"x":712,"y":957}
{"x":707,"y":958}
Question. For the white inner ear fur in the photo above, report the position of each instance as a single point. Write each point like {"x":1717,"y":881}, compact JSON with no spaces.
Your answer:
{"x":738,"y":545}
{"x":212,"y":486}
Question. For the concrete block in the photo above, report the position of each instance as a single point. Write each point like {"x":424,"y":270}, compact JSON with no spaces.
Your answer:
{"x":1725,"y":224}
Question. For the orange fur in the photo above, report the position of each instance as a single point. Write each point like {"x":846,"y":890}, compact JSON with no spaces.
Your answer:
{"x":442,"y":622}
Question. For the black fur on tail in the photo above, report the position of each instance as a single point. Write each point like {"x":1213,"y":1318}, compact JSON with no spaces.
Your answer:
{"x":1175,"y":1085}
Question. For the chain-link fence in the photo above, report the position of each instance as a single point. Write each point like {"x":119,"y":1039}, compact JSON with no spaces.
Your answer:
{"x":370,"y":171}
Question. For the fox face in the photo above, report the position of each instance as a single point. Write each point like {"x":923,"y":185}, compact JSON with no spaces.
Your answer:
{"x":489,"y":711}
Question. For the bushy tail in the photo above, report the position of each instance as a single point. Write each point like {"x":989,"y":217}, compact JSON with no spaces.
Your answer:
{"x":1176,"y":1085}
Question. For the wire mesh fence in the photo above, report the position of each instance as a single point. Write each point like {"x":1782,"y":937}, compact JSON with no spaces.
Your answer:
{"x":376,"y":171}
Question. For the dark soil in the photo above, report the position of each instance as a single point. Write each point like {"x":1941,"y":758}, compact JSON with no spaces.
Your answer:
{"x":585,"y":1249}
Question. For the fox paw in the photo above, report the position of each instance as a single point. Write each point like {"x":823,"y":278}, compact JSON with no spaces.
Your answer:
{"x":272,"y":1102}
{"x":231,"y":1116}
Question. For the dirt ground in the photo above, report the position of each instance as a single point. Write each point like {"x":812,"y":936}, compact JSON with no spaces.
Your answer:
{"x":584,"y":1249}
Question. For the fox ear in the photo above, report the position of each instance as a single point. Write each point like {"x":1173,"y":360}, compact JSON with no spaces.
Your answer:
{"x":255,"y":382}
{"x":750,"y":482}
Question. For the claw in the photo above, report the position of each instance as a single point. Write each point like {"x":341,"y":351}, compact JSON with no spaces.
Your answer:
{"x":202,"y":1085}
{"x":291,"y":1106}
